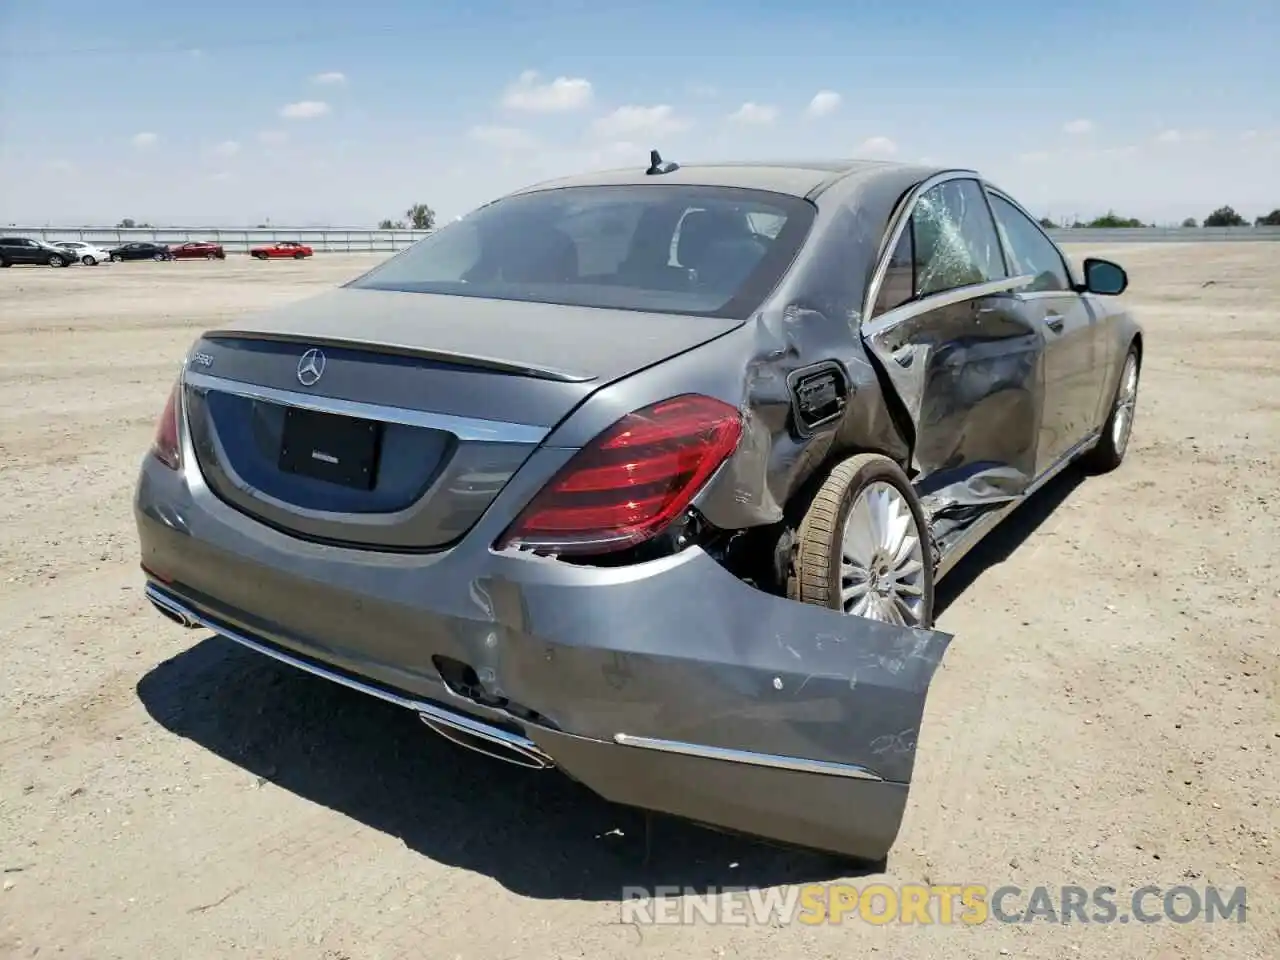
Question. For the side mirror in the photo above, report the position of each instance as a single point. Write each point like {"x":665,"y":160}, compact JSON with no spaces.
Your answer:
{"x":1104,"y":277}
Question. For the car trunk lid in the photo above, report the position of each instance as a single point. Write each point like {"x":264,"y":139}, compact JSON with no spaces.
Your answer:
{"x":392,"y":420}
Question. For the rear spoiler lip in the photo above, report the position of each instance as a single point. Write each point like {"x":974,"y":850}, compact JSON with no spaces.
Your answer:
{"x":535,"y":371}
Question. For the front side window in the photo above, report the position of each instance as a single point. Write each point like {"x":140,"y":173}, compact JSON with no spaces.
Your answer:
{"x":712,"y":251}
{"x":956,"y":244}
{"x":1033,"y":253}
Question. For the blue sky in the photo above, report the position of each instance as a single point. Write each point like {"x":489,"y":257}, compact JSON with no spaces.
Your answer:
{"x":312,"y":111}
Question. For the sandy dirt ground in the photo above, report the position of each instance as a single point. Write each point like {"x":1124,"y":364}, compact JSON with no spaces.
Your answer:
{"x":1106,"y":716}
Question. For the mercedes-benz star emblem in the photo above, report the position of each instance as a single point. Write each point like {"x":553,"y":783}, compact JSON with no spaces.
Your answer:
{"x":311,"y":367}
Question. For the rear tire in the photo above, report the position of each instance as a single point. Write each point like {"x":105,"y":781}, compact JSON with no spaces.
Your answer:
{"x":863,"y":546}
{"x":1110,"y":449}
{"x":116,"y":258}
{"x":4,"y":263}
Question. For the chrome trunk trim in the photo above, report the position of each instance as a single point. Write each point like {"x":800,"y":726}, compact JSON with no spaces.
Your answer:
{"x":464,"y":428}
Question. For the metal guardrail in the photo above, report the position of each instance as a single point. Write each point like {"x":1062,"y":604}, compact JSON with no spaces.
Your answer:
{"x":364,"y":240}
{"x":1163,"y":234}
{"x":233,"y":239}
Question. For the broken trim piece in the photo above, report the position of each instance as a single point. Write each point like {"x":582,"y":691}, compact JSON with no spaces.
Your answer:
{"x":799,"y":764}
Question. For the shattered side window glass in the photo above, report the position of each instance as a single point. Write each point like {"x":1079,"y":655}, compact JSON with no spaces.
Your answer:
{"x":1033,"y":253}
{"x":956,"y":244}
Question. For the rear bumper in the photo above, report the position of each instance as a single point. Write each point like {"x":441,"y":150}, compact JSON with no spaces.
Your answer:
{"x":670,"y":686}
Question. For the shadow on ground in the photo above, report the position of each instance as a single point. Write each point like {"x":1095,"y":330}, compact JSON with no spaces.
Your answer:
{"x":537,"y":833}
{"x":1001,"y":543}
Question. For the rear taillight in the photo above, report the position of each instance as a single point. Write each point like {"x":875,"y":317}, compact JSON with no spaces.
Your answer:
{"x":165,"y":447}
{"x":631,"y":481}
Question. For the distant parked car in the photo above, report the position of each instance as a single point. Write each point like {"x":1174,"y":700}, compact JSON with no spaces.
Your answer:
{"x":198,"y":250}
{"x":142,"y":251}
{"x":25,"y":250}
{"x":86,"y":253}
{"x":285,"y":248}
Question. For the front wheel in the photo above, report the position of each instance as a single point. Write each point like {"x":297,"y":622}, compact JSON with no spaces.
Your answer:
{"x":299,"y":256}
{"x":89,"y":261}
{"x":159,"y":256}
{"x":57,"y":261}
{"x":1111,"y":446}
{"x":863,"y":546}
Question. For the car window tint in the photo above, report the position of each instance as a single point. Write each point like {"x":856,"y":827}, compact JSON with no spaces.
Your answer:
{"x":898,"y":285}
{"x":667,"y":248}
{"x":956,"y":244}
{"x":1032,"y":252}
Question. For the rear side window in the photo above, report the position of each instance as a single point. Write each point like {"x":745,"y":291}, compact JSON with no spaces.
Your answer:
{"x":711,"y":251}
{"x":955,"y":239}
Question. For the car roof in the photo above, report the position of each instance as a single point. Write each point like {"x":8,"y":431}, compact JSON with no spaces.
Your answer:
{"x":799,"y":178}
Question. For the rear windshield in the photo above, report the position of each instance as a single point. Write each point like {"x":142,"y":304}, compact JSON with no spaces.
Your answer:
{"x":709,"y":251}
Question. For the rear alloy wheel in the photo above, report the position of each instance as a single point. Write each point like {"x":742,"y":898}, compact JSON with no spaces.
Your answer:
{"x":116,"y":258}
{"x":1109,"y":452}
{"x":863,"y":546}
{"x":89,"y":261}
{"x":57,"y":261}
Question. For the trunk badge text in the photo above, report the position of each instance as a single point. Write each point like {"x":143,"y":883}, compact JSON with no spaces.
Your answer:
{"x":311,"y":367}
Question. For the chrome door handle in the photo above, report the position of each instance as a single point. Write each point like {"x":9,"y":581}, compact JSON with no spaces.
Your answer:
{"x":1055,"y":322}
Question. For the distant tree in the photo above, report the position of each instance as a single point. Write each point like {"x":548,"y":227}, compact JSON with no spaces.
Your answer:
{"x":1112,"y":219}
{"x":1190,"y":222}
{"x":1047,"y":223}
{"x":420,"y":216}
{"x":390,"y":224}
{"x":1272,"y":219}
{"x":126,"y":224}
{"x":1225,"y":217}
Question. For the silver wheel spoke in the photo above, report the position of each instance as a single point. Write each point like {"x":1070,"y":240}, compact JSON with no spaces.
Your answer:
{"x":882,"y":563}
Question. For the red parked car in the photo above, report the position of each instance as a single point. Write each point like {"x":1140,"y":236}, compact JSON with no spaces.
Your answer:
{"x":198,"y":250}
{"x":284,"y":248}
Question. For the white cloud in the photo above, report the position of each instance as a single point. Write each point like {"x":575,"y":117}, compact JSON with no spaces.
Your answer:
{"x":877,"y":147}
{"x":1169,"y":136}
{"x":61,"y":166}
{"x":1034,"y":156}
{"x":503,"y":138}
{"x":1249,"y":135}
{"x":227,"y":148}
{"x":143,"y":140}
{"x":559,"y":95}
{"x":824,"y":102}
{"x":1077,"y":127}
{"x":756,"y":113}
{"x":329,"y":78}
{"x":273,"y":138}
{"x":639,"y":122}
{"x":220,"y":177}
{"x":304,"y":110}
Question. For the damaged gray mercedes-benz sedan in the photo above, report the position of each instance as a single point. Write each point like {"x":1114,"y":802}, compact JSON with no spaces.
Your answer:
{"x":648,"y":475}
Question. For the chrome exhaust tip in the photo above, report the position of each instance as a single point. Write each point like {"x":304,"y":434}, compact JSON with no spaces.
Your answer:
{"x":489,"y":741}
{"x":172,"y":612}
